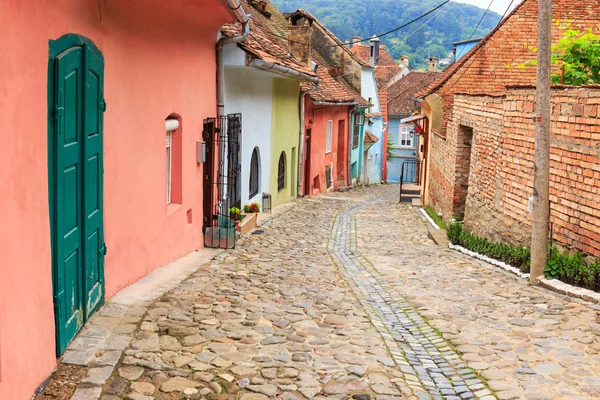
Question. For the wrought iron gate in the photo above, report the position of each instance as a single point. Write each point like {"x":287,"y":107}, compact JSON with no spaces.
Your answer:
{"x":410,"y":173}
{"x":222,"y":179}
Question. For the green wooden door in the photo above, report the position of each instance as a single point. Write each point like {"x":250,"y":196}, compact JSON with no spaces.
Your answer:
{"x":76,"y":187}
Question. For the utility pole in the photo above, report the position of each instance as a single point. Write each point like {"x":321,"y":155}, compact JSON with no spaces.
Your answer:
{"x":541,"y":173}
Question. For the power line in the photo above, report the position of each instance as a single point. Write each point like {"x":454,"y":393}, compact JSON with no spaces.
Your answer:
{"x":472,"y":61}
{"x":479,"y":23}
{"x":368,"y":39}
{"x":416,"y":30}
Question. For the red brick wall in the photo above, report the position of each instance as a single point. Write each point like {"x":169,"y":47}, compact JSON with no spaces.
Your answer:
{"x":496,"y":65}
{"x":501,"y":173}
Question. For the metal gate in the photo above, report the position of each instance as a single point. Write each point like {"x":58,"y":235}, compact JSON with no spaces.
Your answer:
{"x":222,"y":179}
{"x":410,"y":173}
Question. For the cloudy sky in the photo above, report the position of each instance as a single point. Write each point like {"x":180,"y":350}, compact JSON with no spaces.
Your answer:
{"x":498,"y":6}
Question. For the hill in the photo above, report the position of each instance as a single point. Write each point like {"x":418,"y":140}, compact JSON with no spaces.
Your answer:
{"x":452,"y":23}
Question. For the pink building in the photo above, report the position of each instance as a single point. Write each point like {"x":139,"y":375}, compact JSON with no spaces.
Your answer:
{"x":100,"y":178}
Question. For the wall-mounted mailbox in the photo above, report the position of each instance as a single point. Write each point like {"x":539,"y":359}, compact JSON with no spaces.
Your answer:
{"x":200,"y":152}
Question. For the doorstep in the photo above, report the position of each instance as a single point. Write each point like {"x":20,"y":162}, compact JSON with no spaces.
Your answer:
{"x":101,"y":342}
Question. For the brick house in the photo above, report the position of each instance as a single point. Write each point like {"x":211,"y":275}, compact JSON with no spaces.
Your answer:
{"x":481,"y":136}
{"x":487,"y":69}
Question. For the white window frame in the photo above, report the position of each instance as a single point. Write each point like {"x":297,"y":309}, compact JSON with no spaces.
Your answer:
{"x":169,"y":152}
{"x":405,"y":130}
{"x":329,"y":137}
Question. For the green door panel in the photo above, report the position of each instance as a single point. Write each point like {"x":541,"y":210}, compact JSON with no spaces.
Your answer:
{"x":68,"y":89}
{"x":76,"y":181}
{"x":93,"y":218}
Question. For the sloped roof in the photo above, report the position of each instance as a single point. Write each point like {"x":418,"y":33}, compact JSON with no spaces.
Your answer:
{"x":370,"y":137}
{"x":387,"y":67}
{"x":330,"y":89}
{"x":402,"y":92}
{"x":267,"y":39}
{"x":331,"y":35}
{"x":492,"y":58}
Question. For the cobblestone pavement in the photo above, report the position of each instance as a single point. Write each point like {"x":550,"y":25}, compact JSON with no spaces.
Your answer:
{"x":528,"y":343}
{"x":345,"y":297}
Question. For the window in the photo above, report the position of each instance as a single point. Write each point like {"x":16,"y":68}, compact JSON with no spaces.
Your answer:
{"x":406,"y":139}
{"x":281,"y":172}
{"x":169,"y":164}
{"x":254,"y":173}
{"x":329,"y":137}
{"x":328,"y":180}
{"x":358,"y":122}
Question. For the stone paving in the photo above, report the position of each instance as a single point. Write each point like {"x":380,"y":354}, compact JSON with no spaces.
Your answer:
{"x":345,"y":297}
{"x":527,"y":342}
{"x":430,"y":367}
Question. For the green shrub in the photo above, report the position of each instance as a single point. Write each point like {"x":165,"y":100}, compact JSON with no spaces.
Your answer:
{"x":573,"y":269}
{"x":454,"y":231}
{"x":518,"y":257}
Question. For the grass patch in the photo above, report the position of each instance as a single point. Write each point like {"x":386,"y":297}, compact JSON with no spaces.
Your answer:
{"x":436,"y":219}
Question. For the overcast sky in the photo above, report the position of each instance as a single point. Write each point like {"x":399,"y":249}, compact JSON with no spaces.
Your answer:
{"x":498,"y":6}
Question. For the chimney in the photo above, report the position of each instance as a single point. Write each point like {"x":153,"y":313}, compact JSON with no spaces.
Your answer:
{"x":261,"y":6}
{"x":356,"y":40}
{"x":299,"y":37}
{"x":432,"y":64}
{"x":404,"y":60}
{"x":347,"y":43}
{"x":374,"y":42}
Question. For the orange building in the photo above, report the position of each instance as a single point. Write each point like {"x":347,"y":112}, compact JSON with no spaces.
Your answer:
{"x":100,"y":176}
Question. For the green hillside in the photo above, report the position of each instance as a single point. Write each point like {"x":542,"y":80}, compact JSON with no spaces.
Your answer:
{"x":348,"y":18}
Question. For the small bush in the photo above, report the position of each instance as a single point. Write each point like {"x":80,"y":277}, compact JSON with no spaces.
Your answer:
{"x":518,"y":257}
{"x":454,"y":231}
{"x":573,"y":269}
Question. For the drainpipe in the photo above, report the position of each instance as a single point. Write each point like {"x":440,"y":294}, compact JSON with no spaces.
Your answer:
{"x":301,"y":136}
{"x":236,"y":7}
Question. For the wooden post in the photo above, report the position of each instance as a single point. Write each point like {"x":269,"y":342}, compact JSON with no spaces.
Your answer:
{"x":541,"y":177}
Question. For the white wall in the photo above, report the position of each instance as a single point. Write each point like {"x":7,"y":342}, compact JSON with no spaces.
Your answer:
{"x":368,"y":88}
{"x":250,"y":92}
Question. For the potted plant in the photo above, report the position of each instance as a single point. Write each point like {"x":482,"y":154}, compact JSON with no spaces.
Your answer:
{"x":236,"y":215}
{"x":252,"y":208}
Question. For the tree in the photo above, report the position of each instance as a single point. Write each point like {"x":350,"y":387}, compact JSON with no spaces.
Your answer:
{"x":579,"y":57}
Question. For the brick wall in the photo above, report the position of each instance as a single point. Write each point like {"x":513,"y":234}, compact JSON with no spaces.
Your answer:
{"x":501,"y":166}
{"x":494,"y":64}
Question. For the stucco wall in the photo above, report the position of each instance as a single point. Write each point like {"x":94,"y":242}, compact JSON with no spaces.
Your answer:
{"x":400,"y":153}
{"x":285,"y":131}
{"x":159,"y":59}
{"x":250,"y":92}
{"x":319,"y":159}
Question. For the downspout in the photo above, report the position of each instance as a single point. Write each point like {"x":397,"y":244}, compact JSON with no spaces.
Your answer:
{"x":301,"y":136}
{"x":236,"y":7}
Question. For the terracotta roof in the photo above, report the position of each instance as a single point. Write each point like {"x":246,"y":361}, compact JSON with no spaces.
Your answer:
{"x":331,"y":35}
{"x":385,"y":70}
{"x":370,"y":137}
{"x":402,"y":92}
{"x":332,"y":90}
{"x":373,"y":115}
{"x":492,"y":64}
{"x":266,"y":40}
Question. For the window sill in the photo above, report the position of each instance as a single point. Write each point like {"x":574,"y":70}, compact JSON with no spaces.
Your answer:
{"x":172,"y":208}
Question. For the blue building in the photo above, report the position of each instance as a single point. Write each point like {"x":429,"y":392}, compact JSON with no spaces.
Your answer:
{"x":407,"y":147}
{"x":461,"y":48}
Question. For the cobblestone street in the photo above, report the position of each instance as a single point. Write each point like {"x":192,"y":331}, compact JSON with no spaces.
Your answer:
{"x":345,"y":297}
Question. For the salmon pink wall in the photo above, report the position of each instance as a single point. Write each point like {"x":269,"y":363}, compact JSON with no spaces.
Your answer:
{"x":159,"y":60}
{"x":319,"y":115}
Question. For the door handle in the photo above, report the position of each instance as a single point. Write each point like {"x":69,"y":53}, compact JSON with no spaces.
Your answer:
{"x":103,"y":249}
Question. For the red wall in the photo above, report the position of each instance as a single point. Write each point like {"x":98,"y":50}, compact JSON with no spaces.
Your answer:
{"x":159,"y":60}
{"x":319,"y":115}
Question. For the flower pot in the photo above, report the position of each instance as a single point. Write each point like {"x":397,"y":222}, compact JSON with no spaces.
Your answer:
{"x":248,"y":223}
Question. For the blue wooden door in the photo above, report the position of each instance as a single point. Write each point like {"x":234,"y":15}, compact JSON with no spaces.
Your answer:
{"x":76,"y":188}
